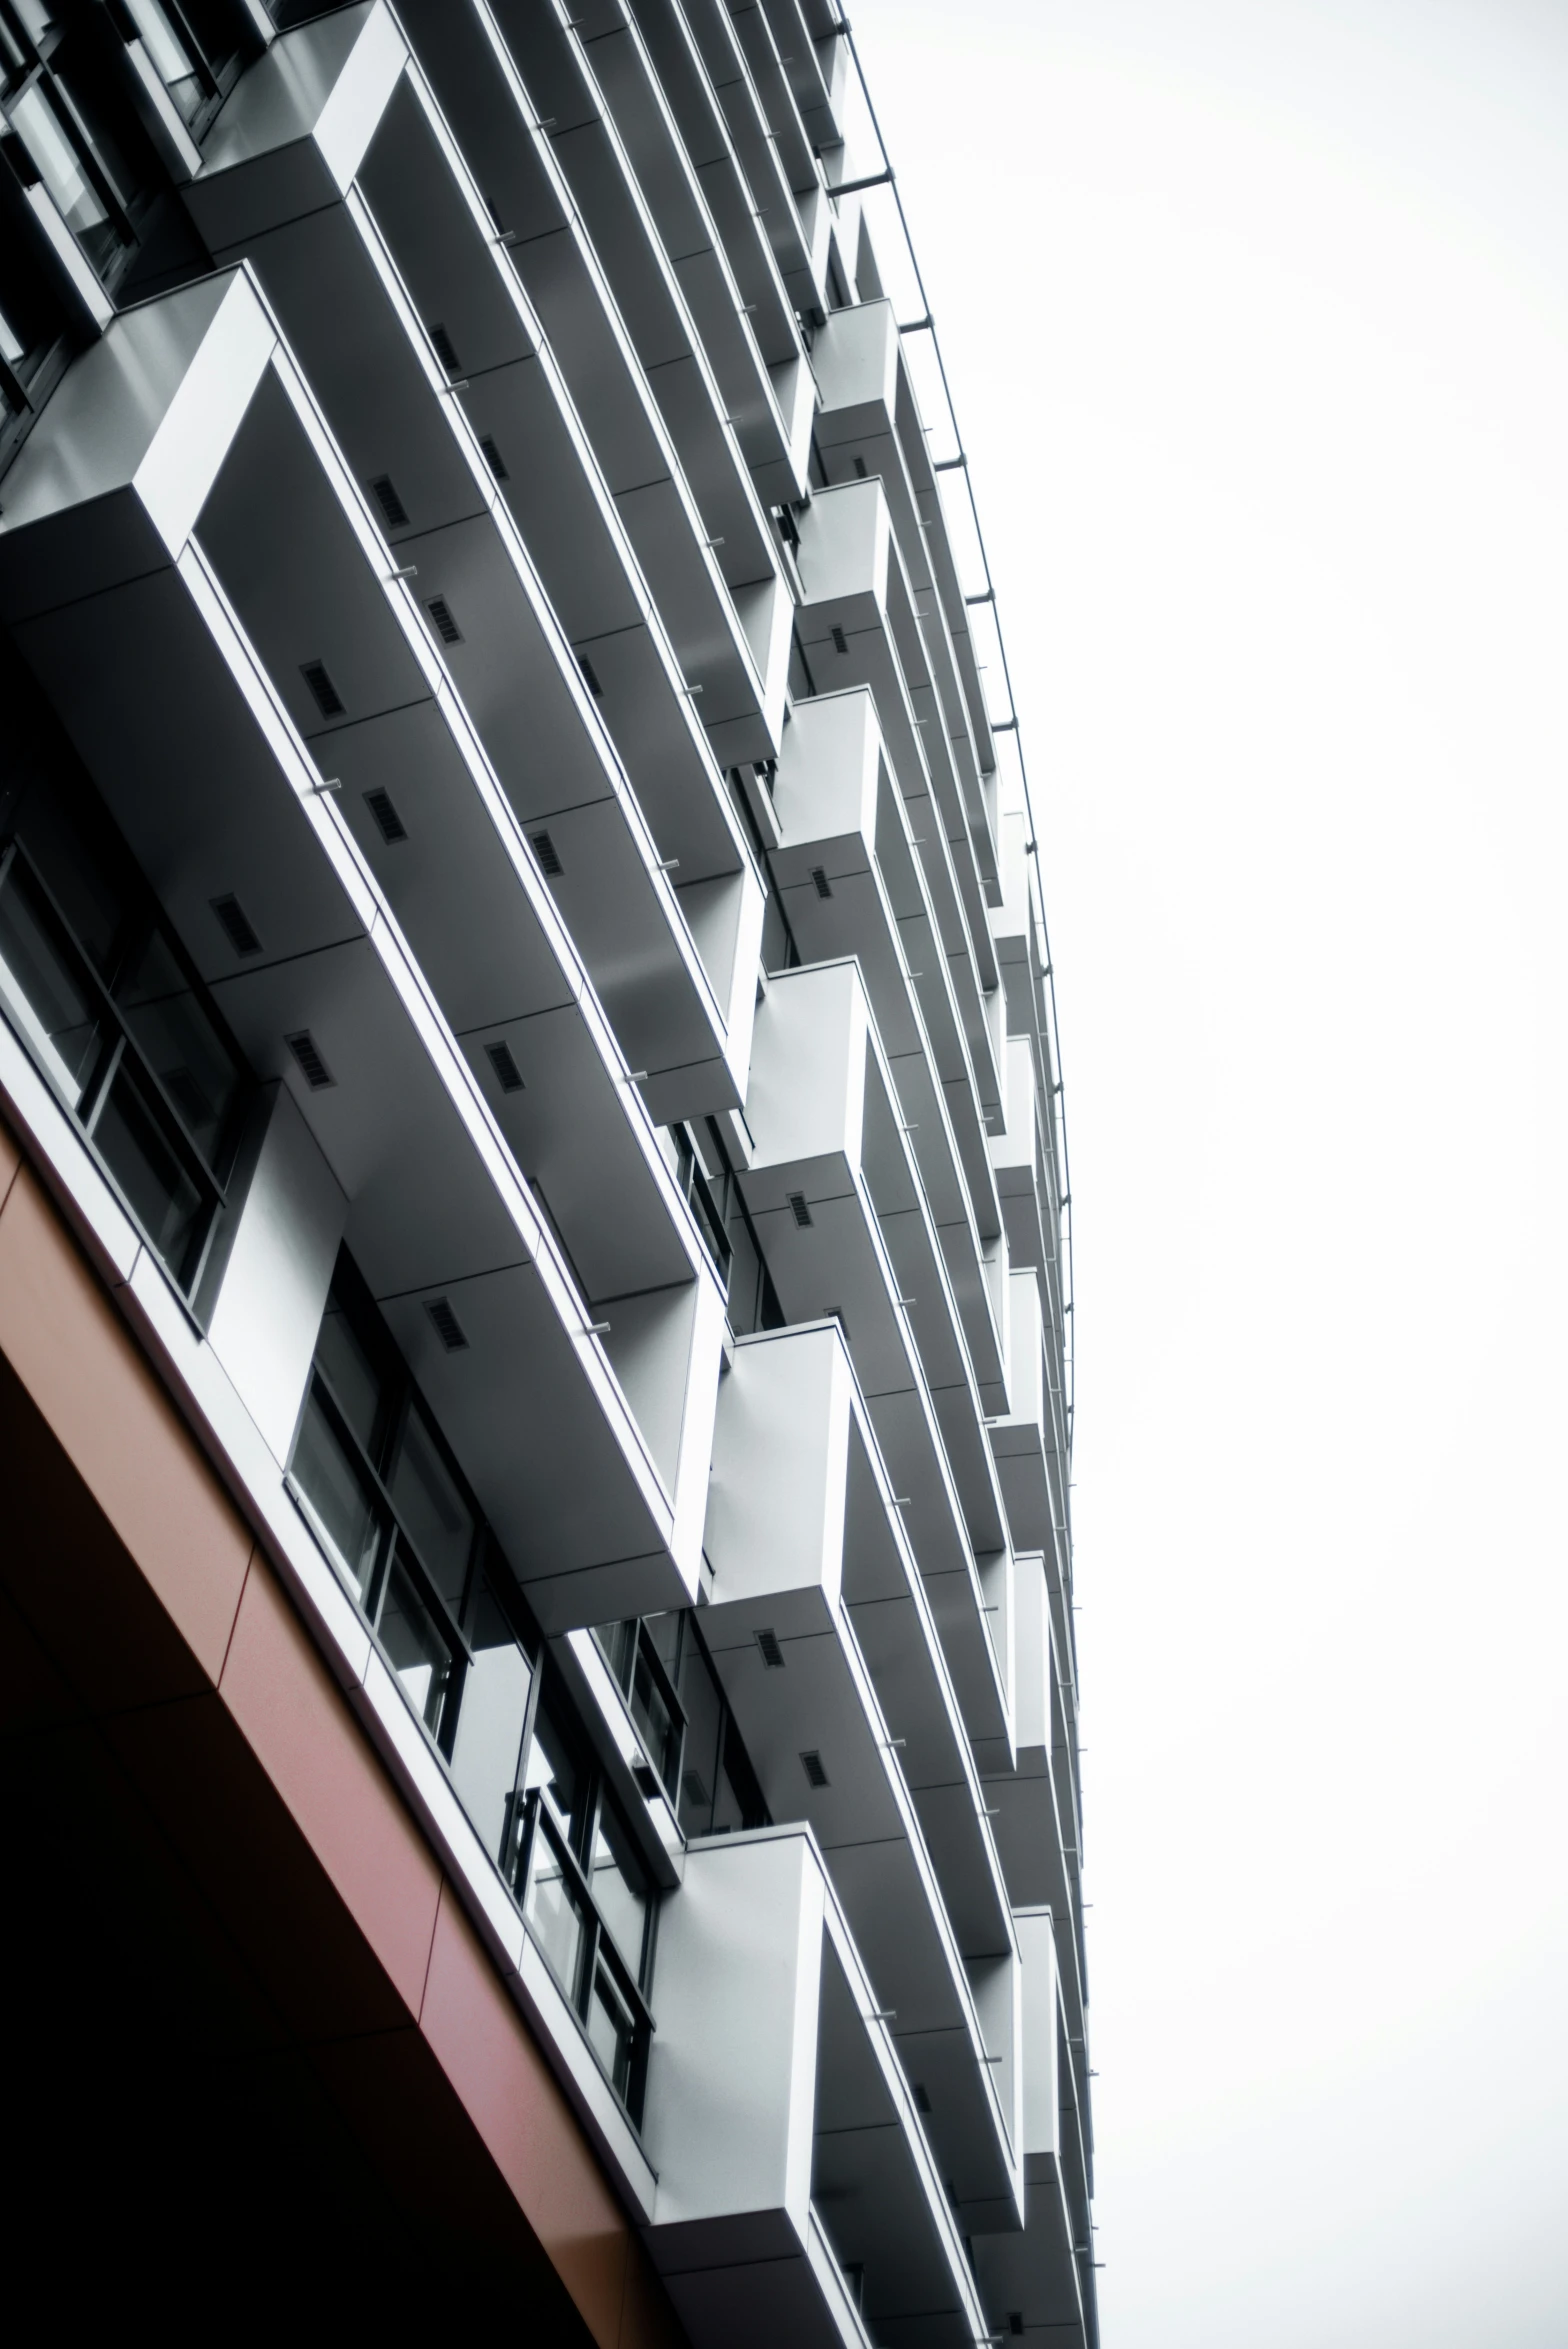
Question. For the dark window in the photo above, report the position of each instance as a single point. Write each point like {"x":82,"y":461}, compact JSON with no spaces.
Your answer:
{"x":123,"y":1032}
{"x":394,"y":1511}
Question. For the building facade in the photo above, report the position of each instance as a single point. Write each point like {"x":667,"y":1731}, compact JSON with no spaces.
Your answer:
{"x":535,"y":1559}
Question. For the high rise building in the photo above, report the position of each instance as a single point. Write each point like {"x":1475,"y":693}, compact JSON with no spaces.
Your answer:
{"x":535,"y":1572}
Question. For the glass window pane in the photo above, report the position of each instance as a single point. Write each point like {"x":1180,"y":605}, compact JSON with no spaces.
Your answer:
{"x":618,"y":1641}
{"x":619,"y":1889}
{"x":704,"y":1712}
{"x":556,"y":1916}
{"x":194,"y":1065}
{"x":62,"y":173}
{"x":55,"y":1003}
{"x":129,"y":1130}
{"x":490,"y":1724}
{"x":554,"y":1769}
{"x":611,"y":2031}
{"x":352,"y":1376}
{"x":655,"y":1718}
{"x":340,"y":1495}
{"x":436,"y":1517}
{"x":163,"y":46}
{"x":416,"y":1647}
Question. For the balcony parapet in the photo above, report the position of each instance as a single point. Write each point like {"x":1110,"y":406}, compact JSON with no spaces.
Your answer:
{"x":835,"y":1200}
{"x":175,"y":445}
{"x":785,"y":2136}
{"x":820,"y":1630}
{"x":858,"y":626}
{"x":870,"y":425}
{"x":851,"y":882}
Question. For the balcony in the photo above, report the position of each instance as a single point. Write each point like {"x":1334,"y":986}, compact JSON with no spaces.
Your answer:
{"x":788,"y":196}
{"x":851,"y":882}
{"x":859,"y":625}
{"x":583,"y":233}
{"x":1038,"y":2282}
{"x":180,"y":551}
{"x":383,"y":265}
{"x":835,"y":1199}
{"x":770,"y":408}
{"x":787,"y":2142}
{"x":819,"y":1628}
{"x":870,"y":424}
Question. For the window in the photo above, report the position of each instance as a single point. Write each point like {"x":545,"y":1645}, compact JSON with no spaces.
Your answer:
{"x":684,"y":1720}
{"x":125,"y":1035}
{"x":395,"y":1514}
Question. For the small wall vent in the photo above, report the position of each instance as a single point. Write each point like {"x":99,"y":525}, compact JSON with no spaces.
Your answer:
{"x":494,"y":458}
{"x":772,"y":1653}
{"x":922,"y":2100}
{"x":860,"y":468}
{"x":1015,"y":2322}
{"x":393,"y":511}
{"x":324,"y":693}
{"x":313,"y":1068}
{"x":840,"y":641}
{"x":544,"y":849}
{"x":507,"y":1073}
{"x":590,"y":676}
{"x":445,"y":351}
{"x":820,"y":882}
{"x":799,"y":1210}
{"x":446,"y":1324}
{"x":811,"y":1763}
{"x":389,"y":823}
{"x":235,"y":926}
{"x":442,"y":621}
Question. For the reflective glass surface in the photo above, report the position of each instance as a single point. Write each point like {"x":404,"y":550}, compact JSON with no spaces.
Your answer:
{"x":490,"y":1724}
{"x":353,"y":1377}
{"x":61,"y":1017}
{"x":335,"y":1486}
{"x":417,"y":1650}
{"x":553,"y":1768}
{"x":63,"y":173}
{"x":557,"y":1916}
{"x":610,"y":2030}
{"x":160,"y":1188}
{"x":194,"y":1065}
{"x":434,"y":1513}
{"x":619,"y":1889}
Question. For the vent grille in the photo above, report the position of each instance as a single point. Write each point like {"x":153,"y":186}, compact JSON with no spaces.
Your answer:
{"x":389,"y":823}
{"x":325,"y":694}
{"x":1015,"y":2322}
{"x":314,"y":1069}
{"x":544,"y":849}
{"x":811,"y":1763}
{"x":820,"y":881}
{"x":235,"y":925}
{"x":442,"y":621}
{"x":444,"y":350}
{"x":393,"y":511}
{"x":446,"y":1324}
{"x":772,"y":1653}
{"x":590,"y":676}
{"x":494,"y":458}
{"x":860,"y":468}
{"x":799,"y":1210}
{"x":922,"y":2100}
{"x":840,"y":641}
{"x":507,"y":1073}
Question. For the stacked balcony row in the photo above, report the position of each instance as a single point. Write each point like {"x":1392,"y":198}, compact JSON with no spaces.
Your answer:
{"x":506,"y":605}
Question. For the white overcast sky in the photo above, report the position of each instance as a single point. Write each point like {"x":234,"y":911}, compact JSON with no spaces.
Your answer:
{"x":1257,"y":313}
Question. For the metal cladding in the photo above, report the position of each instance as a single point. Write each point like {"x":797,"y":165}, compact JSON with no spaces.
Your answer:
{"x":522,"y":961}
